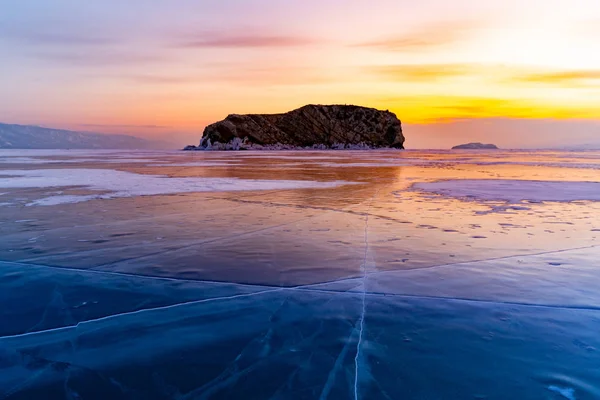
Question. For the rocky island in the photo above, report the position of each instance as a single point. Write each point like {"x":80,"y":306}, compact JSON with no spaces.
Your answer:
{"x":476,"y":146}
{"x":309,"y":127}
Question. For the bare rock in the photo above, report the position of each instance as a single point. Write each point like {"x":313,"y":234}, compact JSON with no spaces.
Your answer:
{"x":312,"y":126}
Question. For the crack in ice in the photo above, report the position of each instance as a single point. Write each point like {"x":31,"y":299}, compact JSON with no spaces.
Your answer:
{"x":491,"y":259}
{"x":396,"y":271}
{"x":337,"y":366}
{"x":364,"y":301}
{"x":203,"y":242}
{"x":336,"y":210}
{"x":299,"y":289}
{"x":112,"y":316}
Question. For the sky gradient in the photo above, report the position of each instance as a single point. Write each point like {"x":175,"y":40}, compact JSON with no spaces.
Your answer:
{"x":501,"y":72}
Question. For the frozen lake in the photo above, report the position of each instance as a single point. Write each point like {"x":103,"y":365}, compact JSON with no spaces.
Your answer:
{"x":299,"y":275}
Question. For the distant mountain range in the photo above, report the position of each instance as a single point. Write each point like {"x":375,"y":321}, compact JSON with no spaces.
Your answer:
{"x":35,"y":137}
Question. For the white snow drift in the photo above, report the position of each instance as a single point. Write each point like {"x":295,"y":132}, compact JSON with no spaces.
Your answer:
{"x":514,"y":190}
{"x":127,"y":184}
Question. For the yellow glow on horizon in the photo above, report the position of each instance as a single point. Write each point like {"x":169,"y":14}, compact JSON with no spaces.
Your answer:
{"x":537,"y":59}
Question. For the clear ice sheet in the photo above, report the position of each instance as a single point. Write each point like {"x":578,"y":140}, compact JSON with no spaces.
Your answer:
{"x":378,"y":290}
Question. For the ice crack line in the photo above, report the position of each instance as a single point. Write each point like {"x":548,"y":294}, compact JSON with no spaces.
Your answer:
{"x":201,"y":243}
{"x":137,"y":312}
{"x":335,"y":210}
{"x":361,"y":324}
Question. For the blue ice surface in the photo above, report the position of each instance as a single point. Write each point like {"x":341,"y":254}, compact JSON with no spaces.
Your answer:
{"x":341,"y":293}
{"x":304,"y":342}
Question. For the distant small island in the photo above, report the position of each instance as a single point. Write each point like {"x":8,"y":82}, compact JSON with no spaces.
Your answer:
{"x":310,"y":127}
{"x":475,"y":146}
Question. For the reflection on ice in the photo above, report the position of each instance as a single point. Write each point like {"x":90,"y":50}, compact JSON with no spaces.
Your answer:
{"x":442,"y":275}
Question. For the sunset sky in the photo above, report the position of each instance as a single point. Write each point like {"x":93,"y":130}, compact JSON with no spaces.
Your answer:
{"x":515,"y":73}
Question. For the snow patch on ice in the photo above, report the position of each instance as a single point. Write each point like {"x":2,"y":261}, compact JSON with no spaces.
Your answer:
{"x":231,"y":163}
{"x":67,"y":199}
{"x":513,"y":190}
{"x":128,"y":184}
{"x":532,"y":164}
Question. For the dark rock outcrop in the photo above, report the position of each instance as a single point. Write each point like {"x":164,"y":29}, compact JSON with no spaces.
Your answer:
{"x":476,"y":146}
{"x":312,"y":126}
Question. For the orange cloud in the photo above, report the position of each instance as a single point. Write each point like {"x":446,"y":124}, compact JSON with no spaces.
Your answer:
{"x":562,"y":78}
{"x":246,"y":40}
{"x":499,"y":74}
{"x":123,"y":126}
{"x":432,"y":36}
{"x":245,"y":75}
{"x":274,"y":76}
{"x":430,"y":109}
{"x":420,"y":72}
{"x":158,"y":79}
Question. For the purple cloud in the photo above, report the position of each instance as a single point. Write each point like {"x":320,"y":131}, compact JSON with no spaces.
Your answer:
{"x":217,"y":40}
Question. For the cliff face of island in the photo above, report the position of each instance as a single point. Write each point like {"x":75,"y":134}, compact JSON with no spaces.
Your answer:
{"x":312,"y":126}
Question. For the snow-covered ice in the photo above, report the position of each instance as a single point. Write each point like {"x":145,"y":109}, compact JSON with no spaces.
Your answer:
{"x":514,"y":190}
{"x":127,"y":184}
